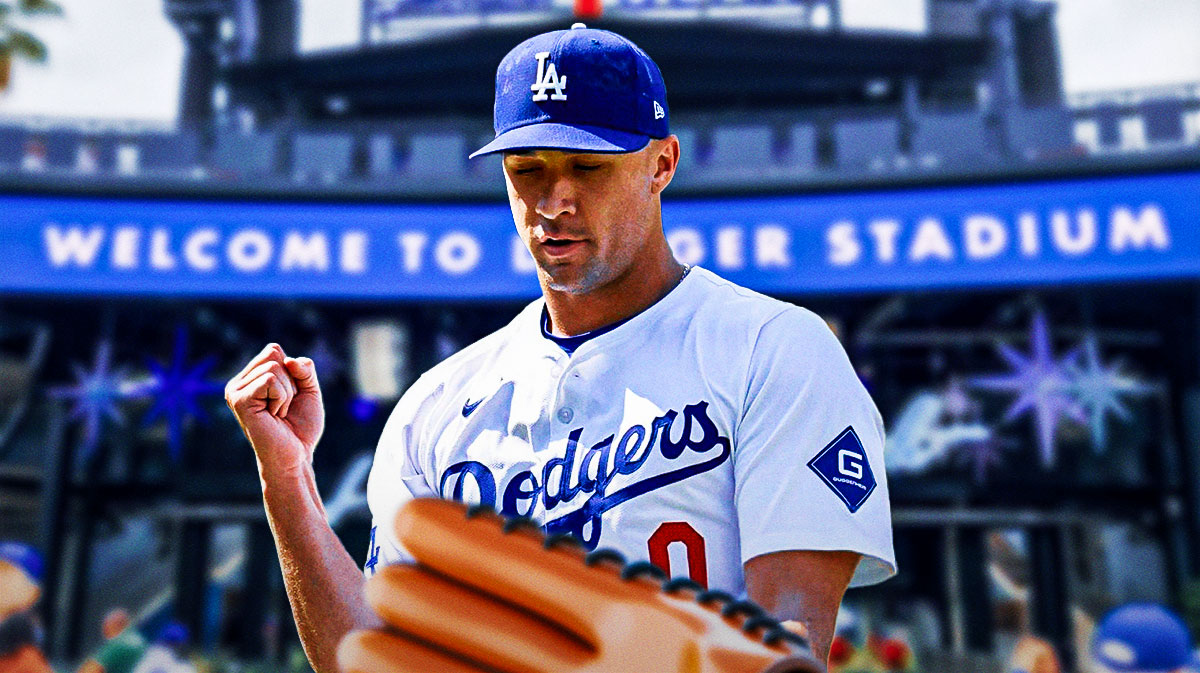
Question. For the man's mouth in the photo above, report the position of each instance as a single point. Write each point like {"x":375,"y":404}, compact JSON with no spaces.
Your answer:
{"x":556,"y":247}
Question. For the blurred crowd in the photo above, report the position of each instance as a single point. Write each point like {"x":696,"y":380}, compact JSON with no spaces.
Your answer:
{"x":1134,"y":638}
{"x":127,"y":647}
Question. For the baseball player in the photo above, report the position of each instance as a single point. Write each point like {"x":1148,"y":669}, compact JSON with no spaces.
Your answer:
{"x":639,"y":404}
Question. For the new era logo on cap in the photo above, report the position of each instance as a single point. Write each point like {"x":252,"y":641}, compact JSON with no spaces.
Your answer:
{"x":616,"y":100}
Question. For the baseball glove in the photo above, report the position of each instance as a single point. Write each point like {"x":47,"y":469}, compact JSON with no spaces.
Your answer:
{"x":496,"y":596}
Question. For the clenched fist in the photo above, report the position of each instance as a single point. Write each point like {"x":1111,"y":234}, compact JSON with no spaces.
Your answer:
{"x":277,"y":401}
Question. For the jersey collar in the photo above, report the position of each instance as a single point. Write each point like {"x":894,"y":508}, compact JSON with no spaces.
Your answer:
{"x":536,"y":313}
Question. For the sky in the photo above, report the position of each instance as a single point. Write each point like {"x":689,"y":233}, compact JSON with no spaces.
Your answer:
{"x":121,"y":59}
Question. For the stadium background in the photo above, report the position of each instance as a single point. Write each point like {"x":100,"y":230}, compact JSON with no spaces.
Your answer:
{"x":1013,"y":271}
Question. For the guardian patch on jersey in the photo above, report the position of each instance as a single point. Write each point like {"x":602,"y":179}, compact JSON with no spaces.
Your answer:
{"x":843,"y":466}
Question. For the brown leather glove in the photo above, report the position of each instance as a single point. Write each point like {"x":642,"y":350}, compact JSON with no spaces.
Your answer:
{"x":493,"y":596}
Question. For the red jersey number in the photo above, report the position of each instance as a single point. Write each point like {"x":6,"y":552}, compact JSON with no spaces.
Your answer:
{"x":680,"y":531}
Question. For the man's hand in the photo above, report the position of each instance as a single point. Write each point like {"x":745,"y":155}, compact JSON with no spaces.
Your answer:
{"x":277,"y":402}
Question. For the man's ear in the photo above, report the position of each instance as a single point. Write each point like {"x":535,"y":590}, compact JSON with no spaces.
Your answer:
{"x":665,"y":153}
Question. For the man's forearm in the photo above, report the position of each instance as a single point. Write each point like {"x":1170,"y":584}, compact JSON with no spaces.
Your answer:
{"x":324,"y":585}
{"x":805,"y":587}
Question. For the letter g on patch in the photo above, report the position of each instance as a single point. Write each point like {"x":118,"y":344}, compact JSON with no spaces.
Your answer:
{"x":850,"y":463}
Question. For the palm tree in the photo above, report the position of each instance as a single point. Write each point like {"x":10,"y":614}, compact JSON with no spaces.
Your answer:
{"x":16,"y":42}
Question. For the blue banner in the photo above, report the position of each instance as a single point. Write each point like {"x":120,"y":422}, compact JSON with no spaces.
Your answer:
{"x":1103,"y":229}
{"x":410,"y":9}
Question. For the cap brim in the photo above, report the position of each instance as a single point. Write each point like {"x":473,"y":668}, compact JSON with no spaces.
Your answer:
{"x":551,"y":136}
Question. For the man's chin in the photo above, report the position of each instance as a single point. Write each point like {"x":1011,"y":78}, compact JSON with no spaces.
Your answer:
{"x":568,"y":288}
{"x":571,"y":279}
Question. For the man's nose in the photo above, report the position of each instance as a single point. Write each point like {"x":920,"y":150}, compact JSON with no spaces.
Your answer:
{"x":557,"y":199}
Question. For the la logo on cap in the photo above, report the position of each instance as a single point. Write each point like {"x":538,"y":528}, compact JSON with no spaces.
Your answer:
{"x":547,"y":78}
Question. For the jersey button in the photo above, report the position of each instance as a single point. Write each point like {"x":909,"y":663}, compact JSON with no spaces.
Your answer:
{"x":566,"y":414}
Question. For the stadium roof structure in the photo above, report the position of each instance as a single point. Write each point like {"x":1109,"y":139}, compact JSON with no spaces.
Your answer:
{"x":729,"y":64}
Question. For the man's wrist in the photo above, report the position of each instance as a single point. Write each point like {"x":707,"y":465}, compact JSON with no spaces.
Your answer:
{"x":285,"y":476}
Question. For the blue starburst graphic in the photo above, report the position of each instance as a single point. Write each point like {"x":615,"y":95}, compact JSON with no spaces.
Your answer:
{"x":175,"y":389}
{"x":95,"y":396}
{"x":1098,"y":389}
{"x":329,"y":364}
{"x":1041,"y":383}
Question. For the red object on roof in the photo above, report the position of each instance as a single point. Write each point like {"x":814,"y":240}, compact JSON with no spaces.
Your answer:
{"x":589,"y":9}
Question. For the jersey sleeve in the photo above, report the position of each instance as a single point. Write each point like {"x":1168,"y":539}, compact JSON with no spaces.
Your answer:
{"x":397,"y":476}
{"x":808,"y":455}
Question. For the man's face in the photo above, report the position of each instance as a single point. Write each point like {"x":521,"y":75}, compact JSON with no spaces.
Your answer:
{"x":586,"y":218}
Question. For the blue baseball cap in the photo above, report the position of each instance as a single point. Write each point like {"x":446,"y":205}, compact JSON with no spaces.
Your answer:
{"x":1143,"y":637}
{"x":579,"y":90}
{"x":22,"y":556}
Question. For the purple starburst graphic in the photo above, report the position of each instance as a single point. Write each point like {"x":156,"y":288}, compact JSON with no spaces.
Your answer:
{"x":980,"y":456}
{"x":95,"y":395}
{"x":1098,"y":389}
{"x":175,"y":389}
{"x":958,"y":403}
{"x":1041,"y":383}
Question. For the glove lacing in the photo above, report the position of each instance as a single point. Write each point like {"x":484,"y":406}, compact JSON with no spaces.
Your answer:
{"x":773,"y":632}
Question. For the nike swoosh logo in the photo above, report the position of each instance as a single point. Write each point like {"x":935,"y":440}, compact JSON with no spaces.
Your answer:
{"x":470,"y":406}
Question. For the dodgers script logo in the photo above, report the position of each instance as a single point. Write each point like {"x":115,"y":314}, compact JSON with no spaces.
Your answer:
{"x":547,"y":78}
{"x":563,"y":479}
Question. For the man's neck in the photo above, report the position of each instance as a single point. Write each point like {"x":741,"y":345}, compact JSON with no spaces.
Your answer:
{"x":626,"y":296}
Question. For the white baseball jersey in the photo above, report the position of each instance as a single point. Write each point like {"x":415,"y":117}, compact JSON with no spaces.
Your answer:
{"x":715,"y":426}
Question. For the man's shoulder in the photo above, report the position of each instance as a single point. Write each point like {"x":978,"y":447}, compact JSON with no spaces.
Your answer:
{"x":472,"y":356}
{"x":762,"y":329}
{"x":733,"y":305}
{"x":456,"y":371}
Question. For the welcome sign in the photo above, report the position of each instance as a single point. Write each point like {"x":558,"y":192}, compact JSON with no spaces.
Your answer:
{"x":1069,"y":231}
